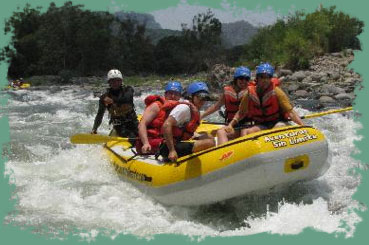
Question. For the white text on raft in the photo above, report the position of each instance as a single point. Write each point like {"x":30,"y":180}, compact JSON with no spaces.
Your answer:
{"x":294,"y":137}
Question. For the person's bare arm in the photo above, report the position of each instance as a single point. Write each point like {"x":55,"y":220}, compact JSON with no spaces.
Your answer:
{"x":148,"y":116}
{"x":295,"y":117}
{"x":286,"y":106}
{"x":214,"y":107}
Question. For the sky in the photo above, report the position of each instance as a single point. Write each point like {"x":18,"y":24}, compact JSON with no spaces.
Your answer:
{"x":173,"y":17}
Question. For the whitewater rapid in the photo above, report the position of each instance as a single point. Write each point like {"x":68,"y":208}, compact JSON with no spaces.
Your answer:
{"x":63,"y":189}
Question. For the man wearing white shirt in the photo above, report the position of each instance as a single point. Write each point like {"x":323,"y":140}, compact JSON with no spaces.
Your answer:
{"x":182,"y":123}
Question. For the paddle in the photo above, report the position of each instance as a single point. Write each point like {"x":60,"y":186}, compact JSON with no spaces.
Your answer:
{"x":319,"y":114}
{"x":95,"y":139}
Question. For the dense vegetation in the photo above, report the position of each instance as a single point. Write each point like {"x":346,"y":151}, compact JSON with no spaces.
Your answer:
{"x":295,"y":40}
{"x":71,"y":41}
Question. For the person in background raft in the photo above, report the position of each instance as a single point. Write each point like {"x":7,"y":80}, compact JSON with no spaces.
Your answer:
{"x":118,"y":100}
{"x":149,"y":128}
{"x":182,"y":122}
{"x":266,"y":104}
{"x":231,"y":98}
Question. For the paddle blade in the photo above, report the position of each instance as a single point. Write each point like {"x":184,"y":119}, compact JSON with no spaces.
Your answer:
{"x":94,"y":139}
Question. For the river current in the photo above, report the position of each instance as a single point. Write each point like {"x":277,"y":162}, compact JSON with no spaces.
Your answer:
{"x":60,"y":188}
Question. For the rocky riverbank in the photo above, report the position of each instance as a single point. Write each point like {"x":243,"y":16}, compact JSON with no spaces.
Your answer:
{"x":328,"y":82}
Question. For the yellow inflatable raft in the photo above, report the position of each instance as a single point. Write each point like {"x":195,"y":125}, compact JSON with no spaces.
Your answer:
{"x":23,"y":86}
{"x":247,"y":164}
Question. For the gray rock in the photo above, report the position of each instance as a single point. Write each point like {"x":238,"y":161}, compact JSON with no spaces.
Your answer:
{"x":332,"y":89}
{"x":307,"y":80}
{"x":301,"y":94}
{"x":350,"y":80}
{"x":315,"y":76}
{"x":293,"y":87}
{"x":344,"y":96}
{"x":326,"y":99}
{"x":299,"y":75}
{"x":349,"y":51}
{"x":338,"y":54}
{"x":335,"y":75}
{"x":324,"y":79}
{"x":284,"y":72}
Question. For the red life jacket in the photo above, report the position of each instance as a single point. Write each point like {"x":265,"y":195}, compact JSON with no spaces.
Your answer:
{"x":268,"y":109}
{"x":154,"y":127}
{"x":154,"y":98}
{"x":232,"y":101}
{"x":187,"y":131}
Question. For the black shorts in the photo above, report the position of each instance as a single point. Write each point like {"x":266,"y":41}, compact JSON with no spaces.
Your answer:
{"x":269,"y":125}
{"x":244,"y":123}
{"x":182,"y":149}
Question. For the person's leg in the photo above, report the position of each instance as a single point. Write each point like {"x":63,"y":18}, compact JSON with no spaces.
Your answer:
{"x":281,"y":124}
{"x":203,"y":144}
{"x":251,"y":130}
{"x":222,"y":136}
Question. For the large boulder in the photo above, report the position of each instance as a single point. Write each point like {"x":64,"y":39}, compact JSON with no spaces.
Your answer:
{"x":326,"y":99}
{"x":219,"y":76}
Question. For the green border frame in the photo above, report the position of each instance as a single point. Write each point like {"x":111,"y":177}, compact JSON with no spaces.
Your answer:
{"x":358,"y":8}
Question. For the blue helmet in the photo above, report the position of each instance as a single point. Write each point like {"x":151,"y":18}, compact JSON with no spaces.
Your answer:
{"x":196,"y":87}
{"x":265,"y":68}
{"x":242,"y":72}
{"x":173,"y":86}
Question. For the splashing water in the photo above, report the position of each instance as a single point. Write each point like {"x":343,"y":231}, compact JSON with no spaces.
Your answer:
{"x":62,"y":188}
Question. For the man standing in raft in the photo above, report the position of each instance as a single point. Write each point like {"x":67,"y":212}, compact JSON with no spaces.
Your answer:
{"x":266,"y":104}
{"x":118,"y":100}
{"x":182,"y":122}
{"x":149,"y":128}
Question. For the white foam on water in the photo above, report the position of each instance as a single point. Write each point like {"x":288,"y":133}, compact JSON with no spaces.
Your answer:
{"x":65,"y":187}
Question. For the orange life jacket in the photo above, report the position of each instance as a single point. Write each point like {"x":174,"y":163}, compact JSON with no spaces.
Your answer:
{"x":232,"y":101}
{"x":266,"y":110}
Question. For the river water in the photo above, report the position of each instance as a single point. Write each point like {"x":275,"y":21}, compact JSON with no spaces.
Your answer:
{"x":62,"y":189}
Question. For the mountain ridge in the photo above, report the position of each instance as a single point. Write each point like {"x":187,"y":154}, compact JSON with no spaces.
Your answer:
{"x":233,"y":33}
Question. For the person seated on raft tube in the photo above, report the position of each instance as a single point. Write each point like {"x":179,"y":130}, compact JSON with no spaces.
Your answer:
{"x":118,"y":100}
{"x":265,"y":103}
{"x":182,"y":122}
{"x":149,"y":128}
{"x":16,"y":84}
{"x":231,"y":98}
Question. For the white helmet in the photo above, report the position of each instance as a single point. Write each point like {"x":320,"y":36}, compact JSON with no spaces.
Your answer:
{"x":113,"y":74}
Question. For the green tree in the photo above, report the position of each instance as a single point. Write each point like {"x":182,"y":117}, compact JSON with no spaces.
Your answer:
{"x":23,"y":49}
{"x":197,"y":49}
